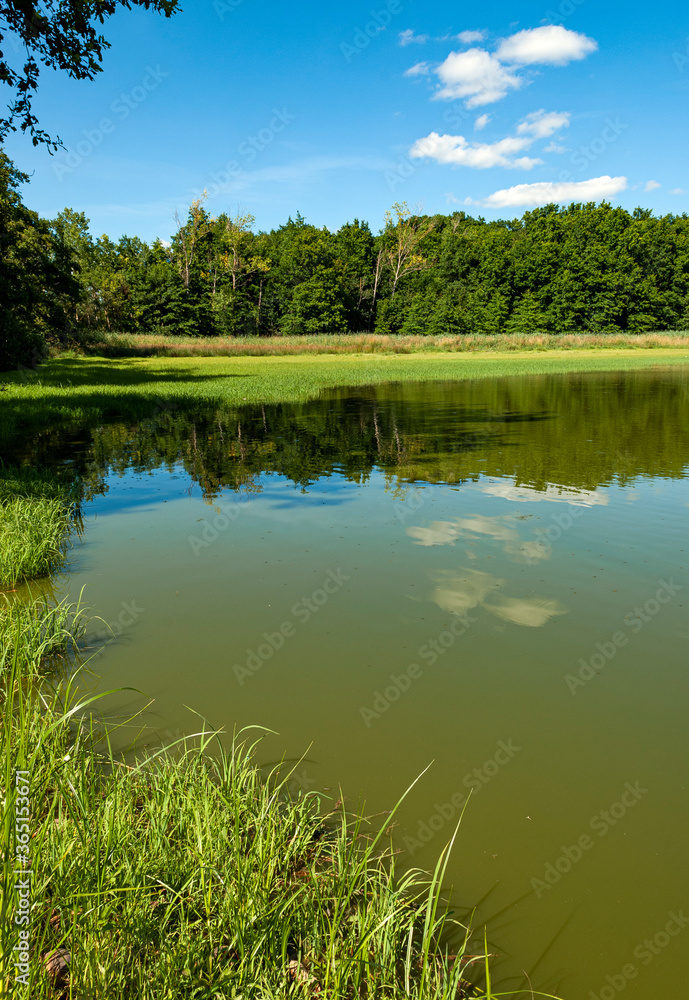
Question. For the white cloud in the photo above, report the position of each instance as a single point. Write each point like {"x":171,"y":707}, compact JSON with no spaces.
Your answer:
{"x":457,"y":151}
{"x":482,"y":77}
{"x":542,"y":124}
{"x":545,"y":192}
{"x":554,"y":147}
{"x":678,"y":191}
{"x":420,"y":69}
{"x":552,"y":45}
{"x":469,"y":37}
{"x":476,"y":75}
{"x":407,"y":37}
{"x":652,"y":186}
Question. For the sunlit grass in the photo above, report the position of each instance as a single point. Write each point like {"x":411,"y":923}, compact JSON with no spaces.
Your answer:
{"x":43,"y":630}
{"x":150,"y":345}
{"x":82,"y":392}
{"x":36,"y":512}
{"x":32,"y":538}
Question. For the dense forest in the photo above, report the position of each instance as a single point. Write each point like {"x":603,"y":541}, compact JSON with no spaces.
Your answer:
{"x":581,"y":268}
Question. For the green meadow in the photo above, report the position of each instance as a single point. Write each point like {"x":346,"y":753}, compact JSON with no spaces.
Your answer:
{"x":85,"y":391}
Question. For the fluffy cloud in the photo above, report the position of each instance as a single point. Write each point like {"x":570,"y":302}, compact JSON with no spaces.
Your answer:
{"x":542,"y":124}
{"x":408,"y":37}
{"x":652,"y":186}
{"x":678,"y":191}
{"x":552,"y":45}
{"x":545,"y":192}
{"x":481,"y":77}
{"x":477,"y":76}
{"x":459,"y":152}
{"x":469,"y":37}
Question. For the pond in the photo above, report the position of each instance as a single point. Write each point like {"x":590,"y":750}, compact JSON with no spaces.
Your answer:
{"x":488,"y":577}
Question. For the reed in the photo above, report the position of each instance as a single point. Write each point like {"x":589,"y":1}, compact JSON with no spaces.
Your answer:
{"x":151,"y":345}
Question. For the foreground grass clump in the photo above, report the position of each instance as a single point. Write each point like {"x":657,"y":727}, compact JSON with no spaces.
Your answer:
{"x":191,"y":875}
{"x":32,"y":539}
{"x":114,"y":345}
{"x":36,"y":512}
{"x":44,"y":632}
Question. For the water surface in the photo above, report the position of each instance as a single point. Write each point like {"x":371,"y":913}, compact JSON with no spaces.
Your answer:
{"x":490,"y":576}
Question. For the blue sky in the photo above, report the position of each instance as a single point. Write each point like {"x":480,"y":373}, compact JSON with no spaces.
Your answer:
{"x":277,"y":108}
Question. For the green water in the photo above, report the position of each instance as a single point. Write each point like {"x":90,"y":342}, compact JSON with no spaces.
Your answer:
{"x":490,"y":576}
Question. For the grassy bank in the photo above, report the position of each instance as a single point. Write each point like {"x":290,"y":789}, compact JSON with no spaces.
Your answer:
{"x":36,"y":513}
{"x":149,"y":346}
{"x":85,"y":391}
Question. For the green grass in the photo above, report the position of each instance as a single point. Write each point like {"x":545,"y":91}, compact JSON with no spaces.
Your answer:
{"x":83,"y":392}
{"x":36,"y":513}
{"x":189,"y":874}
{"x":32,"y":539}
{"x":32,"y":483}
{"x":46,"y":632}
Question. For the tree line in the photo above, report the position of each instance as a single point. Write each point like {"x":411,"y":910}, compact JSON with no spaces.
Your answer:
{"x":579,"y":268}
